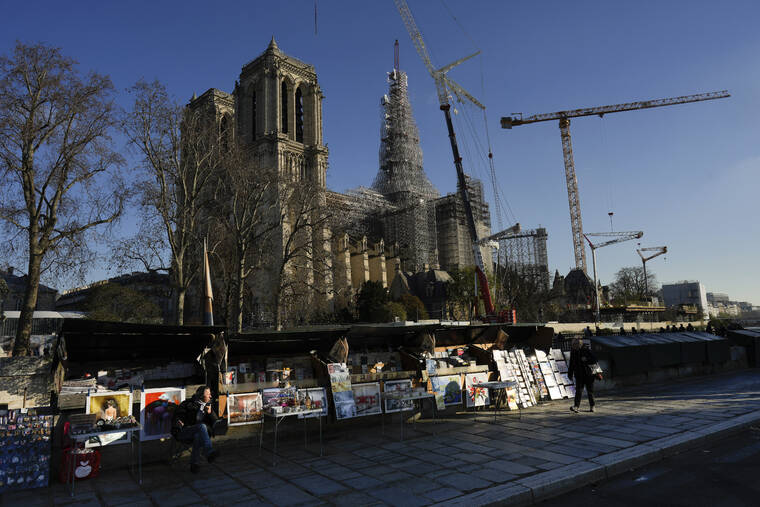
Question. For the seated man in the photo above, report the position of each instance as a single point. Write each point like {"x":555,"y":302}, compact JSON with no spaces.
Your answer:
{"x":193,"y":421}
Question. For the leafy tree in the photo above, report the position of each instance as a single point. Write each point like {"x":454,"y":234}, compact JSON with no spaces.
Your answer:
{"x":413,"y":307}
{"x":391,"y":311}
{"x":58,"y":178}
{"x":371,"y":302}
{"x":113,"y":302}
{"x":629,"y":285}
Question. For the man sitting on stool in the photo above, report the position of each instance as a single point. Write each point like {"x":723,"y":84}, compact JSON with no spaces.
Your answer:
{"x":192,"y":422}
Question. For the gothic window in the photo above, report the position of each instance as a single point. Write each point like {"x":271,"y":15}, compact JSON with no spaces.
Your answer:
{"x":299,"y":115}
{"x":253,"y":114}
{"x":284,"y":107}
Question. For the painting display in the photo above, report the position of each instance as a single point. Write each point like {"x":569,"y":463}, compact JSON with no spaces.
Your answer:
{"x":314,"y":397}
{"x":448,"y":386}
{"x":244,"y":408}
{"x":398,"y":405}
{"x":109,"y":405}
{"x":157,"y":408}
{"x":512,"y":399}
{"x":343,"y":396}
{"x":277,"y":399}
{"x":367,"y":398}
{"x":476,"y":396}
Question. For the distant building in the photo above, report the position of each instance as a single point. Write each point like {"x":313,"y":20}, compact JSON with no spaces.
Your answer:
{"x":717,"y":297}
{"x":154,"y":286}
{"x":690,"y":293}
{"x":46,"y":296}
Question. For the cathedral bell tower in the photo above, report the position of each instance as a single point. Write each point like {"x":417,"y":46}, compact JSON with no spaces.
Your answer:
{"x":279,"y":115}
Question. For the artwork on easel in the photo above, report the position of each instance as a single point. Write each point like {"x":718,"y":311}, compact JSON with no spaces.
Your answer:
{"x":317,"y":398}
{"x":109,"y":405}
{"x":449,"y":387}
{"x":397,"y":405}
{"x":367,"y":398}
{"x":244,"y":408}
{"x":157,"y":408}
{"x":476,"y":396}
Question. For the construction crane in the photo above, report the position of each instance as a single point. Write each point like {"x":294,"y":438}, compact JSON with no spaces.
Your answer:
{"x":573,"y":198}
{"x":659,"y":250}
{"x":445,"y":86}
{"x":616,"y":237}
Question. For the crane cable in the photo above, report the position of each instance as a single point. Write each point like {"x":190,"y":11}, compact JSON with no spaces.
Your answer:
{"x":499,"y":201}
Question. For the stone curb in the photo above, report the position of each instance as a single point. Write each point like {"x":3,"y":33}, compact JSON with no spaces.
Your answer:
{"x":545,"y":485}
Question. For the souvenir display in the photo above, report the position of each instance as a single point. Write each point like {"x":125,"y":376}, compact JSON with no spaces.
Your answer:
{"x":244,"y":408}
{"x":25,"y":449}
{"x":476,"y":396}
{"x":112,"y":408}
{"x":367,"y":398}
{"x":343,"y":396}
{"x":398,"y":405}
{"x":449,"y":387}
{"x":312,"y":398}
{"x":157,"y":408}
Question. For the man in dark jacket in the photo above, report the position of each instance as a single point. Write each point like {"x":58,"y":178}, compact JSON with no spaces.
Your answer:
{"x":580,"y":358}
{"x":192,"y":422}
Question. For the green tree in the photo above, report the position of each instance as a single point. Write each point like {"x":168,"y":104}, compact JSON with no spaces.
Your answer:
{"x":113,"y":302}
{"x":413,"y":307}
{"x":391,"y":311}
{"x":371,"y":301}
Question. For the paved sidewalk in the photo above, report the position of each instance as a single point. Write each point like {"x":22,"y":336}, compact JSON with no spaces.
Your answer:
{"x":517,"y":462}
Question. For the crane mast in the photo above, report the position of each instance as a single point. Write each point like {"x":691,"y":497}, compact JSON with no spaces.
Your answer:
{"x":443,"y":84}
{"x":615,"y":237}
{"x":576,"y":224}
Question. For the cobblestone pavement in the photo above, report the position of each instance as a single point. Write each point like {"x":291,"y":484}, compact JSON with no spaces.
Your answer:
{"x":457,"y":461}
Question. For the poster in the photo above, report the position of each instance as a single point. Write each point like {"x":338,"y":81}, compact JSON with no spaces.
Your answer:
{"x":450,"y":387}
{"x":512,"y":398}
{"x":397,"y":405}
{"x":343,"y":396}
{"x":244,"y":408}
{"x":318,"y":397}
{"x":157,"y":410}
{"x":367,"y":398}
{"x":109,"y":405}
{"x":476,"y":396}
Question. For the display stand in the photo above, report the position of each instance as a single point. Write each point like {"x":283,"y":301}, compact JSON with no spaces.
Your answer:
{"x":278,"y":417}
{"x":495,"y":387}
{"x":413,"y":397}
{"x":134,"y":441}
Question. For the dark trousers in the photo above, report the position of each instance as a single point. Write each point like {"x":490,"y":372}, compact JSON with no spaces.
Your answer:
{"x":580,"y":382}
{"x":198,"y":434}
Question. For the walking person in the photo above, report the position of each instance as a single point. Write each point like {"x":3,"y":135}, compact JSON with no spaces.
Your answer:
{"x":580,"y":358}
{"x":193,"y":420}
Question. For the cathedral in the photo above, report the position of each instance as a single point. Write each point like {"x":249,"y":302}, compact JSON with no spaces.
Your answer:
{"x":398,"y":232}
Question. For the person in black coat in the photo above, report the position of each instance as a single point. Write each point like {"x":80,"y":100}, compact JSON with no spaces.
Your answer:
{"x":580,"y":358}
{"x":192,"y":422}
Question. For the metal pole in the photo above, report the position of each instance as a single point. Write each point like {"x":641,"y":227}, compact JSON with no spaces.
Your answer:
{"x":646,"y":282}
{"x":596,"y":285}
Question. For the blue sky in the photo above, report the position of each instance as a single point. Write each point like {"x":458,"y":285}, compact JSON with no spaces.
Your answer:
{"x":687,"y":175}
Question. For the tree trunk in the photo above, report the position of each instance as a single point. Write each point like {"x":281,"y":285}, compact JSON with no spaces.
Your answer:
{"x":181,"y":306}
{"x":277,"y":322}
{"x":239,"y":299}
{"x":22,"y":346}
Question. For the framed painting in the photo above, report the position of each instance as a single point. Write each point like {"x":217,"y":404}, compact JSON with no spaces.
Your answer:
{"x":244,"y":408}
{"x":397,"y":405}
{"x":476,"y":396}
{"x":367,"y":398}
{"x":448,"y":386}
{"x":318,"y":397}
{"x":109,"y":405}
{"x":157,"y":408}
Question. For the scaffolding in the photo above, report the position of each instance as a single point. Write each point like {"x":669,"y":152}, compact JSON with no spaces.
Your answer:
{"x":525,"y":254}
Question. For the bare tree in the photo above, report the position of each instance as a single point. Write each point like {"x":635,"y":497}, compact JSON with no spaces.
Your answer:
{"x":629,"y":284}
{"x":181,"y":154}
{"x":57,"y":179}
{"x":303,"y":220}
{"x":244,"y":206}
